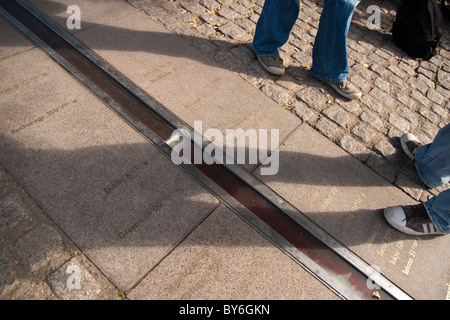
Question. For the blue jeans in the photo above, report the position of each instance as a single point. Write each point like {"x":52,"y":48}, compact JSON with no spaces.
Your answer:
{"x":433,"y":166}
{"x":330,"y":56}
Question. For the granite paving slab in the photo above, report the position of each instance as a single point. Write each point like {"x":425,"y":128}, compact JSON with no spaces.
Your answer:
{"x":119,"y":198}
{"x":225,"y":258}
{"x":347,"y":199}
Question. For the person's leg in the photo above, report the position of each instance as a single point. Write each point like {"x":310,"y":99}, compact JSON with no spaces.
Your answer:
{"x":330,"y":55}
{"x":272,"y":31}
{"x":433,"y":159}
{"x":433,"y":165}
{"x":413,"y":220}
{"x":274,"y":26}
{"x":438,"y":209}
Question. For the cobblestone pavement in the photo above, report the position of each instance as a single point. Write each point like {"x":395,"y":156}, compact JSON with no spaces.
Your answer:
{"x":37,"y":260}
{"x":400,"y":94}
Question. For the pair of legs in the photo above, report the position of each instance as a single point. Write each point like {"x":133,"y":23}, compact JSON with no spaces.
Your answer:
{"x":330,"y":56}
{"x":433,"y":165}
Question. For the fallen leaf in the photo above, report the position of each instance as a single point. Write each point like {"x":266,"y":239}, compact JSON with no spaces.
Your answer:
{"x":376,"y":295}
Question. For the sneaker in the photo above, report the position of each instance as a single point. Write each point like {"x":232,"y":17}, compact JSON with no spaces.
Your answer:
{"x":412,"y":220}
{"x":346,"y":89}
{"x":273,"y":64}
{"x":409,"y":144}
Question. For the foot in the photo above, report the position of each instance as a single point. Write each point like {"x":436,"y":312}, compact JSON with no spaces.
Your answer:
{"x":346,"y":89}
{"x":273,"y":64}
{"x":409,"y":144}
{"x":413,"y":220}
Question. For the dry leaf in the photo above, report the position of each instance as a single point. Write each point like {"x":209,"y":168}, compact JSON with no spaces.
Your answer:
{"x":376,"y":295}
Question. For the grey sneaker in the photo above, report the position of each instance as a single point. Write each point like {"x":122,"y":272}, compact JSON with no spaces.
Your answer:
{"x":409,"y":144}
{"x":413,"y":220}
{"x":346,"y":89}
{"x":273,"y":64}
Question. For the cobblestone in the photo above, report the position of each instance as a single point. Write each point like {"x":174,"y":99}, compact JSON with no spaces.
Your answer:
{"x":232,"y":30}
{"x":364,"y":132}
{"x":428,"y":114}
{"x":387,"y":150}
{"x":406,"y":113}
{"x":327,"y":127}
{"x":398,"y":122}
{"x":382,"y":167}
{"x":311,"y":96}
{"x":372,"y":120}
{"x":302,"y":111}
{"x":354,"y":147}
{"x":337,"y":115}
{"x":400,"y":94}
{"x":33,"y":251}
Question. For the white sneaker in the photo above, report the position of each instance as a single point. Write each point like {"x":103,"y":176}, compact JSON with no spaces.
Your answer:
{"x":413,"y":220}
{"x":409,"y":144}
{"x":346,"y":89}
{"x":273,"y":64}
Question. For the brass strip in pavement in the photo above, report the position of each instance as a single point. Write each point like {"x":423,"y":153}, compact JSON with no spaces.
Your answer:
{"x":325,"y":258}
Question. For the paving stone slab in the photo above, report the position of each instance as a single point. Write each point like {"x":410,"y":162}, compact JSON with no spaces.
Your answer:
{"x":11,"y":41}
{"x":225,"y":258}
{"x":91,"y":13}
{"x":186,"y":81}
{"x":79,"y":279}
{"x":121,"y":201}
{"x":347,"y":200}
{"x":192,"y":85}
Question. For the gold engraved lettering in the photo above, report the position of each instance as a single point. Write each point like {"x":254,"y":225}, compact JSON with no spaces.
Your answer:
{"x":244,"y":284}
{"x":159,"y":73}
{"x":200,"y":256}
{"x":412,"y":255}
{"x":157,"y":205}
{"x":196,"y":287}
{"x":23,"y":83}
{"x":204,"y":252}
{"x":386,"y":238}
{"x":126,"y":176}
{"x":353,"y":209}
{"x":43,"y":117}
{"x":330,"y":197}
{"x":399,"y":244}
{"x":373,"y":234}
{"x":318,"y":188}
{"x":394,"y":257}
{"x":198,"y":99}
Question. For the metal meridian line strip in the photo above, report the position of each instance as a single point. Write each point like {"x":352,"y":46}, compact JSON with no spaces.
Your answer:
{"x":324,"y":257}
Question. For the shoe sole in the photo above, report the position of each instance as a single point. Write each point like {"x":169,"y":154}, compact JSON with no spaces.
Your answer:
{"x":272,"y":70}
{"x":353,"y":96}
{"x":407,"y":137}
{"x":389,"y":215}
